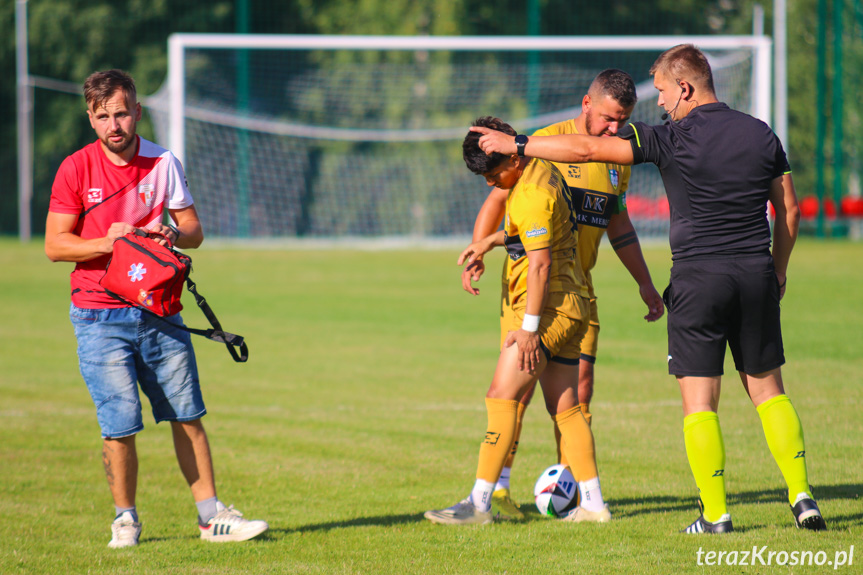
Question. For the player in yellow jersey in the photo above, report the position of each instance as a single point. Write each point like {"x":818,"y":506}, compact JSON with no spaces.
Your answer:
{"x":599,"y":198}
{"x":548,"y":298}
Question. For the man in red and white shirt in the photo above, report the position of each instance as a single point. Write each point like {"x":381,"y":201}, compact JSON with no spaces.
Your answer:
{"x":120,"y":183}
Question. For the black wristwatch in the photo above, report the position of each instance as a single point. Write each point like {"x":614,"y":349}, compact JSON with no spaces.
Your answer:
{"x":520,"y":143}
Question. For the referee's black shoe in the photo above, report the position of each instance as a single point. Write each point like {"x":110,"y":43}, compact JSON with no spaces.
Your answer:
{"x":807,"y":515}
{"x":702,"y":525}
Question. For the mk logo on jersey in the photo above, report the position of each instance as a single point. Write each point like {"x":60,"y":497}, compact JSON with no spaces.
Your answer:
{"x":536,"y":231}
{"x":614,"y":176}
{"x":719,"y":473}
{"x":800,"y":454}
{"x":574,"y":171}
{"x":94,"y":195}
{"x":594,"y":203}
{"x":145,"y":192}
{"x":491,"y":437}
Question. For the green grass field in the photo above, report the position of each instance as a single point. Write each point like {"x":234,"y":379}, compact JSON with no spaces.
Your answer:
{"x":361,"y":406}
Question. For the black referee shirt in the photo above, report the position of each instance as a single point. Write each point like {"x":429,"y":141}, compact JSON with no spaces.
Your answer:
{"x":717,"y":165}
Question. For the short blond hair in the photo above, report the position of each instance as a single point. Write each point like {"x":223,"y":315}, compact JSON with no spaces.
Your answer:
{"x":685,"y":62}
{"x":101,"y":86}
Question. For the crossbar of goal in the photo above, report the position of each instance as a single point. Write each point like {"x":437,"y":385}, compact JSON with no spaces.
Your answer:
{"x":760,"y":45}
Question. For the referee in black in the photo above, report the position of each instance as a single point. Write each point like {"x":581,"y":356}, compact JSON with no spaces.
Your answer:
{"x":720,"y":167}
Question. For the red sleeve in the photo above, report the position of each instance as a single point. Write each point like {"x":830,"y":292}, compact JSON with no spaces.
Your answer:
{"x":66,"y":197}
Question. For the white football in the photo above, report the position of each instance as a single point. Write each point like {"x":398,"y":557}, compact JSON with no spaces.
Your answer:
{"x":556,"y":491}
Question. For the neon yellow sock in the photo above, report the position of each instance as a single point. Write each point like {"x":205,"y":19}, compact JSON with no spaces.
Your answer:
{"x":785,"y":439}
{"x":706,"y":453}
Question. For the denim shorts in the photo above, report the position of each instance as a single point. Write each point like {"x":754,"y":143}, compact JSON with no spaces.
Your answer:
{"x":121,"y":347}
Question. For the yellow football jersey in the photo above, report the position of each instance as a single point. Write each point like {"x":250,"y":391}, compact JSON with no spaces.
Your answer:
{"x":598,"y":192}
{"x":539,"y":215}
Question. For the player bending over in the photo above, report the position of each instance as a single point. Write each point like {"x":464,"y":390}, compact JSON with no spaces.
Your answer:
{"x":550,"y":312}
{"x":720,"y":167}
{"x":599,"y":198}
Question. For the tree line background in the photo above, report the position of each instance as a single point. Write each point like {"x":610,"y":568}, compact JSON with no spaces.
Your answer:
{"x":69,"y":39}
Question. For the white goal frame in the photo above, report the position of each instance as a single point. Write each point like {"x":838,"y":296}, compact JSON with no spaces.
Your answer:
{"x":760,"y":45}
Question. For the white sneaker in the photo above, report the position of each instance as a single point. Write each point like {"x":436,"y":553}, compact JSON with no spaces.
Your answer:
{"x":580,"y":515}
{"x":462,"y":513}
{"x":125,"y":531}
{"x":229,"y":525}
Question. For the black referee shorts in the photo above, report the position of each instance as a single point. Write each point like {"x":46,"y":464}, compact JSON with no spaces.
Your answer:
{"x":714,"y":302}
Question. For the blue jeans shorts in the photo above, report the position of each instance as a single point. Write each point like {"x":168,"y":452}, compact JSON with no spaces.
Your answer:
{"x":120,"y":347}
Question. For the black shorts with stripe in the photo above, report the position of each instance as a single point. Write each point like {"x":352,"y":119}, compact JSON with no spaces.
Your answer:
{"x":718,"y":302}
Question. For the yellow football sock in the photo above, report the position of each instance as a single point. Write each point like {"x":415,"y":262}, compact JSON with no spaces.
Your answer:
{"x":493,"y":452}
{"x":519,"y":418}
{"x":585,"y":411}
{"x":706,"y":453}
{"x":577,"y":443}
{"x":785,"y":439}
{"x":561,"y":456}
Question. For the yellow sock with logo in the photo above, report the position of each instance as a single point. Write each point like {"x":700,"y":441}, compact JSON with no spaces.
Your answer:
{"x":785,"y":439}
{"x":495,"y":448}
{"x":706,"y":453}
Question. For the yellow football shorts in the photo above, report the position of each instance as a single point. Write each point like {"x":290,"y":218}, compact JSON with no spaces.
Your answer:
{"x":562,"y":326}
{"x":590,"y":343}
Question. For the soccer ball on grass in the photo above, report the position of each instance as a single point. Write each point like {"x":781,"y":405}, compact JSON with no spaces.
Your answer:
{"x":556,"y":491}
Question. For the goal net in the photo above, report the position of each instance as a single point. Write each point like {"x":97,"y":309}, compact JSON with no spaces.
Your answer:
{"x":349,"y":137}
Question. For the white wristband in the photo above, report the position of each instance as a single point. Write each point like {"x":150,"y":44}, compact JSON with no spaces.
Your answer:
{"x":530,"y":322}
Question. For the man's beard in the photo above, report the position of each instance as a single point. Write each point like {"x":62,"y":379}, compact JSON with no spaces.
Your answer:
{"x":589,"y":126}
{"x":122,"y":146}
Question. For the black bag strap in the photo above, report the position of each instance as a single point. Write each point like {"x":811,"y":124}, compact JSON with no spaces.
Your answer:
{"x":216,"y":334}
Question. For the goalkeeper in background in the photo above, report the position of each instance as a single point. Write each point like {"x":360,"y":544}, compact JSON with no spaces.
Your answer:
{"x":549,"y":302}
{"x":599,"y":198}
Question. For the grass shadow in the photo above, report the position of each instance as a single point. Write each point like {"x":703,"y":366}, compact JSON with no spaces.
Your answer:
{"x":378,"y":521}
{"x":632,"y":507}
{"x":621,"y":508}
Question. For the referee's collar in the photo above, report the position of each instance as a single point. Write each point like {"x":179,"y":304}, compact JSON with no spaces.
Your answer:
{"x":703,"y":108}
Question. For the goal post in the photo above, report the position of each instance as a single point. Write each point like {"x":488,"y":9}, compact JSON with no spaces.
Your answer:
{"x":359,"y":136}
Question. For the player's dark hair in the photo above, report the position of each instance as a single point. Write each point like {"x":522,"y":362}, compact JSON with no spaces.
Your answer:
{"x":685,"y":62}
{"x":101,"y":86}
{"x":478,"y":161}
{"x":617,"y":85}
